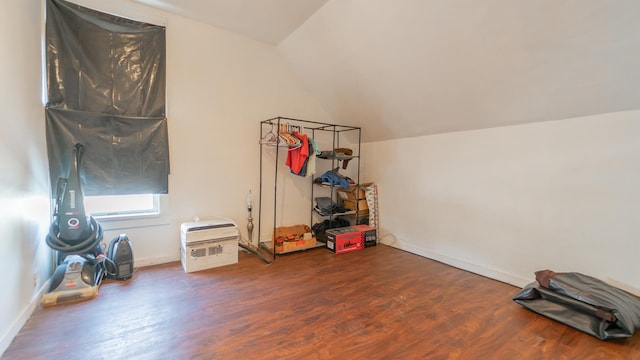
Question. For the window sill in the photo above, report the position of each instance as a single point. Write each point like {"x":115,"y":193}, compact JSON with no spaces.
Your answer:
{"x":120,"y":217}
{"x":131,"y":221}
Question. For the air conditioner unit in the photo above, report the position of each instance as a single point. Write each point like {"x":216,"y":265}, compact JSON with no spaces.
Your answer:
{"x":208,"y":243}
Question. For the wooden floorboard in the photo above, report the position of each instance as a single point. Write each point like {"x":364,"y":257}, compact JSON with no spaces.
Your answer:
{"x":378,"y":303}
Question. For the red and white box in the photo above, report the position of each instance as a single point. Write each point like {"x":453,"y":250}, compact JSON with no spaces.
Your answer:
{"x":369,"y":233}
{"x":345,"y":239}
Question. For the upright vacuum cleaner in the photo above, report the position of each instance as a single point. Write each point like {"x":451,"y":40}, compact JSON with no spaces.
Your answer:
{"x":81,"y":261}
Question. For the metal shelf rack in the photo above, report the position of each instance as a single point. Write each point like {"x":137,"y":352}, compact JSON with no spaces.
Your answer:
{"x":313,"y":129}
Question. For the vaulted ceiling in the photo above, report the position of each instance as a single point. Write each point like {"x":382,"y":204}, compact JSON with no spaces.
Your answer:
{"x":403,"y":68}
{"x":266,"y":20}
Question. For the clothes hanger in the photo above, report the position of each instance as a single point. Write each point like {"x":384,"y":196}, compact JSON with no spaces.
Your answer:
{"x":290,"y":139}
{"x":270,"y":138}
{"x":293,"y":141}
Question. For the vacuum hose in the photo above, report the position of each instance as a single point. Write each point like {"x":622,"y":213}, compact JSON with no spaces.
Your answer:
{"x":83,"y":247}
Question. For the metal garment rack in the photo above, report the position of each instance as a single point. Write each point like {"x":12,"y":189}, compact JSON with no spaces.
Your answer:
{"x":312,"y":128}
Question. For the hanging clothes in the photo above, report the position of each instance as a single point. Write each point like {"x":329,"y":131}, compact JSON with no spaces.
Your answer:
{"x":314,"y":150}
{"x":296,"y":156}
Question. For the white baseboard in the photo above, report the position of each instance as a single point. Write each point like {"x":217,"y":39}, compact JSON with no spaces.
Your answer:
{"x":488,"y":272}
{"x":464,"y":265}
{"x":155,"y":261}
{"x":10,"y":334}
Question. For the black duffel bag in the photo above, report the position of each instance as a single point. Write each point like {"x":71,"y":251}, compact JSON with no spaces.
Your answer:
{"x":582,"y":302}
{"x":320,"y":229}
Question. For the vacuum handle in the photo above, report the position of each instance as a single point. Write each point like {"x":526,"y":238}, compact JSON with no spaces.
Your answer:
{"x":61,"y":186}
{"x":73,"y":223}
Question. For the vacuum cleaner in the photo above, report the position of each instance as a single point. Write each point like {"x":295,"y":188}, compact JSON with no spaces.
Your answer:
{"x":81,"y":261}
{"x":121,"y":254}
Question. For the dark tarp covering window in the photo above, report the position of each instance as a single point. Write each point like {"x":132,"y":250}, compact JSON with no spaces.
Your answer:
{"x":122,"y":157}
{"x":106,"y":90}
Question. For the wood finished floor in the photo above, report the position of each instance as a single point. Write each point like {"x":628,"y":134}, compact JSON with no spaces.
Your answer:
{"x":378,"y":303}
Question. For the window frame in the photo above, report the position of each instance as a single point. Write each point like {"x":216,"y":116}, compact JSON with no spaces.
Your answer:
{"x":111,"y":215}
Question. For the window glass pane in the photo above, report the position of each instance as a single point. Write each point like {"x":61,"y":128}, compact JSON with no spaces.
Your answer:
{"x":121,"y":204}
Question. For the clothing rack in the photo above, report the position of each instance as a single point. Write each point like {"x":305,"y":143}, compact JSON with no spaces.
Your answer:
{"x":312,"y":129}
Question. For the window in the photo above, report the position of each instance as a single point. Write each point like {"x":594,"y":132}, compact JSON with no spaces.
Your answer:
{"x":121,"y":206}
{"x":106,"y":91}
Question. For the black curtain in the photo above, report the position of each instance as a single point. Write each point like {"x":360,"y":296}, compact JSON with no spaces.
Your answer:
{"x":106,"y":90}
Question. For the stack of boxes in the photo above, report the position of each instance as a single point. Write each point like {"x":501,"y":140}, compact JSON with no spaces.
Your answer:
{"x":354,"y":198}
{"x":357,"y":237}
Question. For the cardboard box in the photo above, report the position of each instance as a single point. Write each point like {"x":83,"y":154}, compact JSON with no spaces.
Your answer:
{"x":369,"y":233}
{"x":345,"y":239}
{"x":353,"y":192}
{"x":291,"y":233}
{"x":301,"y":244}
{"x":359,"y":205}
{"x":293,"y":238}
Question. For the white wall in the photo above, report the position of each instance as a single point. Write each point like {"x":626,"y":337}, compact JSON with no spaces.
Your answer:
{"x":219,"y":87}
{"x":407,"y":68}
{"x":25,"y":260}
{"x":505,"y":202}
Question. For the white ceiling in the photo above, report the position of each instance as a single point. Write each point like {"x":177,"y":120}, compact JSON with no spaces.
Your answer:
{"x":403,"y":68}
{"x":265,"y":20}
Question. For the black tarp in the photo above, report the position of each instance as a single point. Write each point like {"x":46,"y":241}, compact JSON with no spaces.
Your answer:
{"x":106,"y":90}
{"x":582,"y":302}
{"x":125,"y":156}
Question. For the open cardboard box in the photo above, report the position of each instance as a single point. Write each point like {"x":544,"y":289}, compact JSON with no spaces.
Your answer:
{"x":359,"y":205}
{"x":357,"y":192}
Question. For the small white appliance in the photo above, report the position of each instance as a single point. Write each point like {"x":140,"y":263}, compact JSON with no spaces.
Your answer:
{"x":208,"y":243}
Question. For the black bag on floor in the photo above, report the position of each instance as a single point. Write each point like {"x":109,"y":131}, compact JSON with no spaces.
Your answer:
{"x":582,"y":302}
{"x":320,"y":229}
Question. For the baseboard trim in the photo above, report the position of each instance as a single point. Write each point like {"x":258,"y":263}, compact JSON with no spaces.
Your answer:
{"x":26,"y":313}
{"x":463,"y":264}
{"x":488,"y":272}
{"x":155,"y":261}
{"x":13,"y":331}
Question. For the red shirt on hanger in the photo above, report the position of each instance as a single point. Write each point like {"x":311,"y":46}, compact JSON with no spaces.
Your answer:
{"x":296,"y":156}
